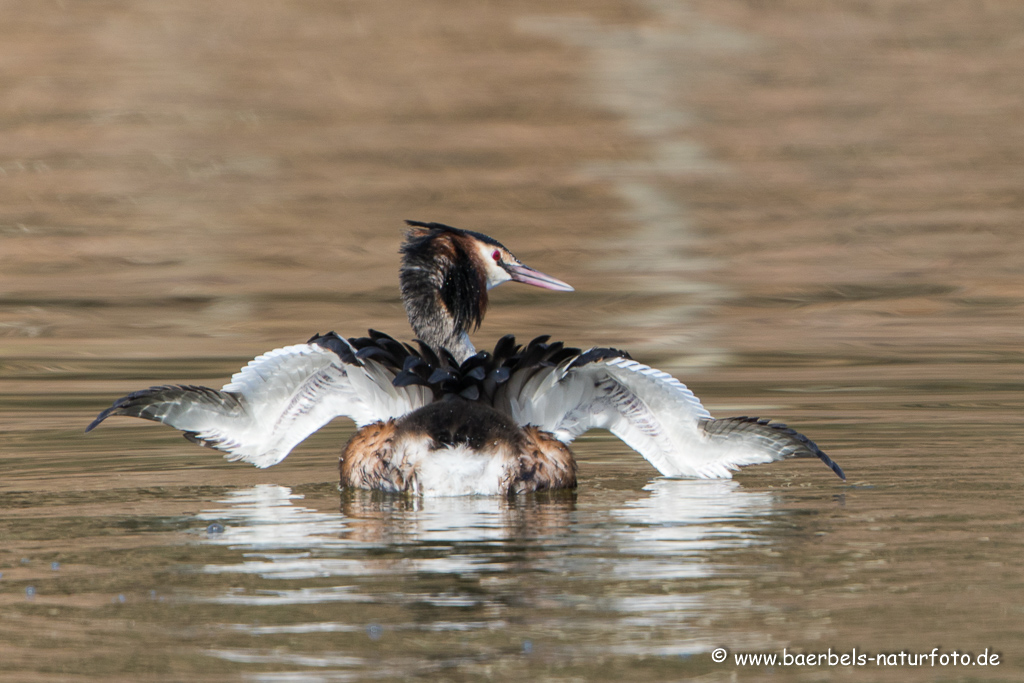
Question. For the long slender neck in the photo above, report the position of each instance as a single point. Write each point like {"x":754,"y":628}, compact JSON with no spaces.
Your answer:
{"x":444,"y":294}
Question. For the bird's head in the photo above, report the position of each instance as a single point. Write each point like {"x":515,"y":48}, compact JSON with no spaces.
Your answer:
{"x":491,"y":261}
{"x":445,"y":275}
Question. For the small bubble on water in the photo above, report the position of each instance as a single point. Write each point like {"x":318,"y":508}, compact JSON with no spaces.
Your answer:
{"x":374,"y":631}
{"x":215,"y":528}
{"x":527,"y":646}
{"x":55,"y":566}
{"x":30,"y":592}
{"x":120,"y":597}
{"x":25,"y":560}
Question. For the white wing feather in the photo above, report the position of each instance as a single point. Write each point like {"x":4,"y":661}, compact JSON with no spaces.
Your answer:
{"x":276,"y":402}
{"x":651,"y":411}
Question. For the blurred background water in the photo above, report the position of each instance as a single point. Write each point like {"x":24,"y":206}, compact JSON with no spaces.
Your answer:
{"x":804,"y":211}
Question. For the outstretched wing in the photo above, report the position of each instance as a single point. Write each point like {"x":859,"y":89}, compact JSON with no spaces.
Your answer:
{"x":277,"y":400}
{"x":651,"y":411}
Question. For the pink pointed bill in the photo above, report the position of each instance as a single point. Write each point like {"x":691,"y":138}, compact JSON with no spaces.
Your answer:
{"x":529,"y":276}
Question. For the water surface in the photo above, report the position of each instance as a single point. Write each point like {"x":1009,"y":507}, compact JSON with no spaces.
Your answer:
{"x":806,"y":214}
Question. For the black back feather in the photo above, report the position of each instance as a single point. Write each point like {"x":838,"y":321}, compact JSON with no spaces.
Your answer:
{"x":475,"y":379}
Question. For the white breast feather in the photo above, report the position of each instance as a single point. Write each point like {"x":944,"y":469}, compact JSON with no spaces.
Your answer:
{"x":456,"y":470}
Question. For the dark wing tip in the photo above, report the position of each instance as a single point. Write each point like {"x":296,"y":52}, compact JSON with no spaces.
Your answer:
{"x":125,"y":404}
{"x":774,"y":437}
{"x":813,"y":448}
{"x":167,"y":403}
{"x":100,"y":418}
{"x":832,"y":464}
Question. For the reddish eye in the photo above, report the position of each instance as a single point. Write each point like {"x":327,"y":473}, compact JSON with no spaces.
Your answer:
{"x":496,"y":256}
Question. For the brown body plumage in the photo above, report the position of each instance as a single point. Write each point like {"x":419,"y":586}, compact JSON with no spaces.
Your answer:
{"x":391,"y":456}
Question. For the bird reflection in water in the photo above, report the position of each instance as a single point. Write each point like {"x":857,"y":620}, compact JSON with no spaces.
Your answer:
{"x":669,"y":521}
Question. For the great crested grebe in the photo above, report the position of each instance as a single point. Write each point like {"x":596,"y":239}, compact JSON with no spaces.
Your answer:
{"x":438,"y":418}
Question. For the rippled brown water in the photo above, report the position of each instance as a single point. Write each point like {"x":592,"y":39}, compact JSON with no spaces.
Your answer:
{"x":807,"y":212}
